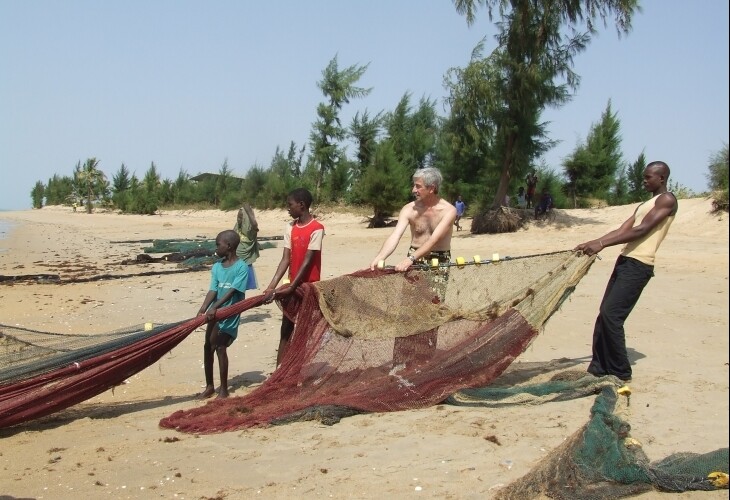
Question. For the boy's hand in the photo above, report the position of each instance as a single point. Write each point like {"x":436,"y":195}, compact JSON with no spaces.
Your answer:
{"x":210,"y":314}
{"x":269,"y":295}
{"x":284,"y":291}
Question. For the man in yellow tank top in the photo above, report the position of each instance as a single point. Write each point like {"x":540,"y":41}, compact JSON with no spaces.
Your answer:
{"x":642,"y":233}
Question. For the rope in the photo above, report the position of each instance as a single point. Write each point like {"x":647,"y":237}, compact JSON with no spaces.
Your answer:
{"x":426,"y":267}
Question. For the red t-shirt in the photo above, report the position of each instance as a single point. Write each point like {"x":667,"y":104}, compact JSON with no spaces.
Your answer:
{"x":298,"y":239}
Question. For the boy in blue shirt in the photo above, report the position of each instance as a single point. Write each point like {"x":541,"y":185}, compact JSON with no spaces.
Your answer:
{"x":227,"y":286}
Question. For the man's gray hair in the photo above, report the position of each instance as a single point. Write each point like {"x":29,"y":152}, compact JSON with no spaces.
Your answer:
{"x":430,"y":176}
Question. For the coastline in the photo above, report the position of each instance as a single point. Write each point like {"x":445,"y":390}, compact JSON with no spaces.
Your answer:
{"x":111,"y":445}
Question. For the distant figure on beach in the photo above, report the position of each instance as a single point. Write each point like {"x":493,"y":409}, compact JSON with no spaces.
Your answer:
{"x":643,"y":232}
{"x":531,"y":181}
{"x":302,"y":256}
{"x":460,"y":209}
{"x":431,"y":220}
{"x":248,"y":249}
{"x":521,"y":198}
{"x":545,"y":204}
{"x":228,"y":279}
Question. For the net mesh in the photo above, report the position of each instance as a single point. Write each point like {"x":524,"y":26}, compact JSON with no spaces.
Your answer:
{"x":387,"y":341}
{"x":601,"y":461}
{"x":42,"y":373}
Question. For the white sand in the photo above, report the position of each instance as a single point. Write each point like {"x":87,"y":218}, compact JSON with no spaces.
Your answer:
{"x":111,"y":446}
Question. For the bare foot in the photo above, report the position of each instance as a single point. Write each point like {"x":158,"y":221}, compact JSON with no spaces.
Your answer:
{"x":208,"y":392}
{"x":222,"y":394}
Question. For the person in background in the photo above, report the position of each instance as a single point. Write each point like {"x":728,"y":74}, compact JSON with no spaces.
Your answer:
{"x":545,"y":204}
{"x":531,"y":181}
{"x":521,"y":198}
{"x":642,"y":233}
{"x":460,"y":209}
{"x":302,"y":256}
{"x":228,"y":279}
{"x":248,"y":250}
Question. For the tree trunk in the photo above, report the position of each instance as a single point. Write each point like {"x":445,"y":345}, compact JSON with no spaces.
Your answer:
{"x":496,"y":219}
{"x":505,"y":176}
{"x":88,"y":200}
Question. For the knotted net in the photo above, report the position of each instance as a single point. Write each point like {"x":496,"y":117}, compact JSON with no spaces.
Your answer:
{"x":376,"y":341}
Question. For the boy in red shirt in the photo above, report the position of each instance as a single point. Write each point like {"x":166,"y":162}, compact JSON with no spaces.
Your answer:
{"x":302,"y":256}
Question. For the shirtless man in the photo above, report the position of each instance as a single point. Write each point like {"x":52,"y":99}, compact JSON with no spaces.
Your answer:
{"x":431,"y":220}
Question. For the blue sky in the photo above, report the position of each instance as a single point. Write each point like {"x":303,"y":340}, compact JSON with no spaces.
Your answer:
{"x":190,"y":84}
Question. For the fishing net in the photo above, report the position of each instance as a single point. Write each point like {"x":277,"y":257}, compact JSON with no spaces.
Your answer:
{"x":180,"y":246}
{"x":386,"y":341}
{"x":376,"y":341}
{"x":601,"y":461}
{"x":193,"y":254}
{"x":43,"y":372}
{"x":535,"y":383}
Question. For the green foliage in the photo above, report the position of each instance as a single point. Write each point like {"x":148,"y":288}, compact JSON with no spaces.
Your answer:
{"x":720,"y":200}
{"x":386,"y":184}
{"x":635,"y":180}
{"x":90,"y":183}
{"x":680,"y":192}
{"x":619,"y":194}
{"x":183,"y":190}
{"x":717,"y":178}
{"x":36,"y":194}
{"x":121,"y":181}
{"x":410,"y":142}
{"x":338,"y":86}
{"x":337,"y":181}
{"x":717,"y":170}
{"x":491,"y":137}
{"x":591,"y":168}
{"x":364,"y":131}
{"x":536,"y":45}
{"x":548,"y":178}
{"x":60,"y":190}
{"x":412,"y":133}
{"x":252,"y":188}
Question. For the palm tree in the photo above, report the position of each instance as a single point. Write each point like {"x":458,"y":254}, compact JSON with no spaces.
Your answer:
{"x":91,"y":181}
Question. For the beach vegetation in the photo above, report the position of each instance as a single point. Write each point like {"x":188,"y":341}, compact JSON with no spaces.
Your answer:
{"x":37,"y":193}
{"x":530,"y":69}
{"x":490,"y":136}
{"x":591,"y":168}
{"x":338,"y":87}
{"x":90,"y":183}
{"x":717,"y":178}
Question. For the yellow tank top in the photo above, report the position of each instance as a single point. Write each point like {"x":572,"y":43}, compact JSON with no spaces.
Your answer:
{"x":644,"y":249}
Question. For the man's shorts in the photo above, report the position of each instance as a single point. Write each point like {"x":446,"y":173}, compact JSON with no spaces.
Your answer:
{"x":440,"y":276}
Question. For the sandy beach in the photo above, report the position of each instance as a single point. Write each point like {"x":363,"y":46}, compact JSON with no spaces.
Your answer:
{"x":112,"y":447}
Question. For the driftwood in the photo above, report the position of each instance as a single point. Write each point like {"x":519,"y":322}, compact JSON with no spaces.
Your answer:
{"x":40,"y":278}
{"x":54,"y":279}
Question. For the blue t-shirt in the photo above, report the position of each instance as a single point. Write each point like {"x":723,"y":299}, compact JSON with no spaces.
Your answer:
{"x":460,"y":206}
{"x":223,"y":279}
